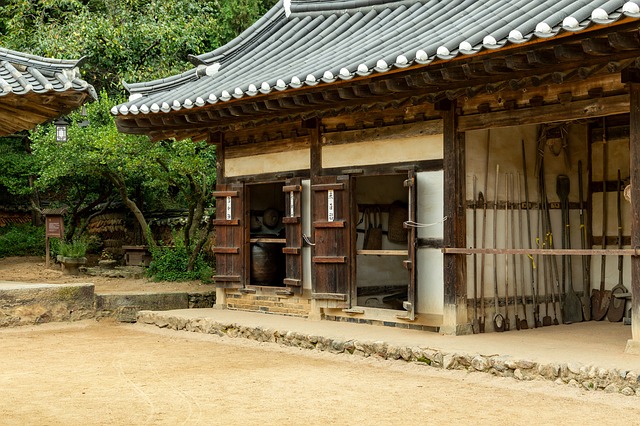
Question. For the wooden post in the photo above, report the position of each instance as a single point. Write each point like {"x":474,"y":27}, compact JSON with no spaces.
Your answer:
{"x":315,"y":142}
{"x":455,"y":320}
{"x":633,"y":345}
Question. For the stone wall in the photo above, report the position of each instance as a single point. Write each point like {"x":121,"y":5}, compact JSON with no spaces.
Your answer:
{"x":270,"y":303}
{"x":588,"y":377}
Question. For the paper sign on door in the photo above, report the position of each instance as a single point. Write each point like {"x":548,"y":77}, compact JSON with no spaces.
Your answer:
{"x":228,"y":208}
{"x":330,"y":206}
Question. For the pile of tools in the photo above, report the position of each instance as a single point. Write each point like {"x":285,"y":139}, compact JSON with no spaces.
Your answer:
{"x":552,"y":298}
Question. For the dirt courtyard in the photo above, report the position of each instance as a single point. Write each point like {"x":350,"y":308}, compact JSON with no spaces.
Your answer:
{"x":31,"y":269}
{"x":109,"y":373}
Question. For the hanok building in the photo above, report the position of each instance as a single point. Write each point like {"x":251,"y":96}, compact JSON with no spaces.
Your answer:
{"x":408,"y":162}
{"x":35,"y":90}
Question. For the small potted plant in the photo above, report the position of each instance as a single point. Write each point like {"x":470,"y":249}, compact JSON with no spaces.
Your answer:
{"x":72,"y":256}
{"x":106,"y":260}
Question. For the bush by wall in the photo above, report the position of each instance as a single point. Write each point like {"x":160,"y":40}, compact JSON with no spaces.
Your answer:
{"x":22,"y":240}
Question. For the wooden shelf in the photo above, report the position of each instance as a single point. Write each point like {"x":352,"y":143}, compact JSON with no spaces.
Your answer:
{"x":383,"y":252}
{"x":268,"y":240}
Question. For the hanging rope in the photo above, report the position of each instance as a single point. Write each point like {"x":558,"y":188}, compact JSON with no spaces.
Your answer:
{"x":412,"y":224}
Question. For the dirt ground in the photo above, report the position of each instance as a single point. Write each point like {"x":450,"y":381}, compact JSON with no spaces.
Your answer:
{"x":108,"y":373}
{"x":105,"y":372}
{"x":32,"y":270}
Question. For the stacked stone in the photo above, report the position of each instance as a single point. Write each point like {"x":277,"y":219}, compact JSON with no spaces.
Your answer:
{"x":590,"y":378}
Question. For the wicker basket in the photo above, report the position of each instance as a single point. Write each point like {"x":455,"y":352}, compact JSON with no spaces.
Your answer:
{"x":398,"y":214}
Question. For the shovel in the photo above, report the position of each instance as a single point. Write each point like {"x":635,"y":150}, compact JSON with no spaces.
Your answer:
{"x":616,"y":306}
{"x":572,"y":303}
{"x":498,"y":319}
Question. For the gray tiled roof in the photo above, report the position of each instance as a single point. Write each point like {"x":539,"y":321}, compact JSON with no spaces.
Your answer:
{"x":21,"y":73}
{"x":300,"y":43}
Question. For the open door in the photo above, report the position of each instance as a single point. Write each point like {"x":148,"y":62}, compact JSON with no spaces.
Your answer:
{"x":332,"y":236}
{"x":412,"y":242}
{"x":292,"y":220}
{"x":230,"y":235}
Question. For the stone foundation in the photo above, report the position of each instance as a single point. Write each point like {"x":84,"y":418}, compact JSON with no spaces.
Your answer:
{"x":583,"y":376}
{"x":296,"y":305}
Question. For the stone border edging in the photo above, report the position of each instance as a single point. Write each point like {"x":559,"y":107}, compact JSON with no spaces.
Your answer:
{"x":573,"y":374}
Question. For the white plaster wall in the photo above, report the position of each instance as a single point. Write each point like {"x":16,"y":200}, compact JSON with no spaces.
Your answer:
{"x":268,"y":163}
{"x":430,"y":280}
{"x":428,"y":147}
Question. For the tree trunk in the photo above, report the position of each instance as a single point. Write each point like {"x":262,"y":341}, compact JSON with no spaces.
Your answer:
{"x":122,"y":190}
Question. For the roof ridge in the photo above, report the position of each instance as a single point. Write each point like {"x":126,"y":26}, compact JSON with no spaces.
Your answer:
{"x":315,"y":7}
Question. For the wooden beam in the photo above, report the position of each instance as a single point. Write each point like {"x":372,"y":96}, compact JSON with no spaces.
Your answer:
{"x":421,"y":128}
{"x":582,"y":109}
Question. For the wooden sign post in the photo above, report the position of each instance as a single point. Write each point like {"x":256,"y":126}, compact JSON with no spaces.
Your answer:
{"x":54,"y":228}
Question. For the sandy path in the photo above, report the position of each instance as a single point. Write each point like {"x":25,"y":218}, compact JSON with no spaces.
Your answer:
{"x":109,"y":373}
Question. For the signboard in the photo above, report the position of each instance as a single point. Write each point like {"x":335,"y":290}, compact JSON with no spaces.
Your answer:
{"x":330,"y":206}
{"x":55,"y":226}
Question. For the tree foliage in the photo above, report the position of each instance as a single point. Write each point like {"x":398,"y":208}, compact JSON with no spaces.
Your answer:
{"x":123,"y":41}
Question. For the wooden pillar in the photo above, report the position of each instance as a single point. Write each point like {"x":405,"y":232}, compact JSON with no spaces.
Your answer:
{"x":315,"y":142}
{"x":455,"y":319}
{"x":633,"y":345}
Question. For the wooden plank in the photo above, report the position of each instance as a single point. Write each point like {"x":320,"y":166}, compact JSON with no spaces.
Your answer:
{"x":329,"y":259}
{"x":334,"y":224}
{"x":292,"y":282}
{"x":268,"y":147}
{"x":329,"y":296}
{"x":225,"y":194}
{"x":292,"y":188}
{"x":291,"y":250}
{"x":578,"y":110}
{"x":422,"y":128}
{"x":328,"y":187}
{"x":549,"y":252}
{"x":383,"y":252}
{"x":226,"y":250}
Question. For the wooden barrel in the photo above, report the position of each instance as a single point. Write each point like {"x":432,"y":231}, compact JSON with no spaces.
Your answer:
{"x":266,"y":263}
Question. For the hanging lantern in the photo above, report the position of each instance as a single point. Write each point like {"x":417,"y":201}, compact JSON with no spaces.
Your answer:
{"x":61,"y":129}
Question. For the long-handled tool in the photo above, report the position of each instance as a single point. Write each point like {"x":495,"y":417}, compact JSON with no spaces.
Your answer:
{"x":551,"y":259}
{"x":600,"y":299}
{"x":524,"y":324}
{"x":586,"y":264}
{"x":507,"y":321}
{"x":475,"y":324}
{"x":532,"y":269}
{"x":616,"y":306}
{"x":513,"y":256}
{"x":482,"y":200}
{"x":498,"y":319}
{"x":572,"y":311}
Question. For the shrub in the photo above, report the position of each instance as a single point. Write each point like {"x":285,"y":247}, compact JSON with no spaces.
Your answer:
{"x":22,"y":240}
{"x":75,"y":248}
{"x":170,"y":264}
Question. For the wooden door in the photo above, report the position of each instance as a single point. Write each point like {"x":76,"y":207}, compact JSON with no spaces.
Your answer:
{"x":292,"y":220}
{"x":332,"y":237}
{"x":230,"y":235}
{"x":412,"y":243}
